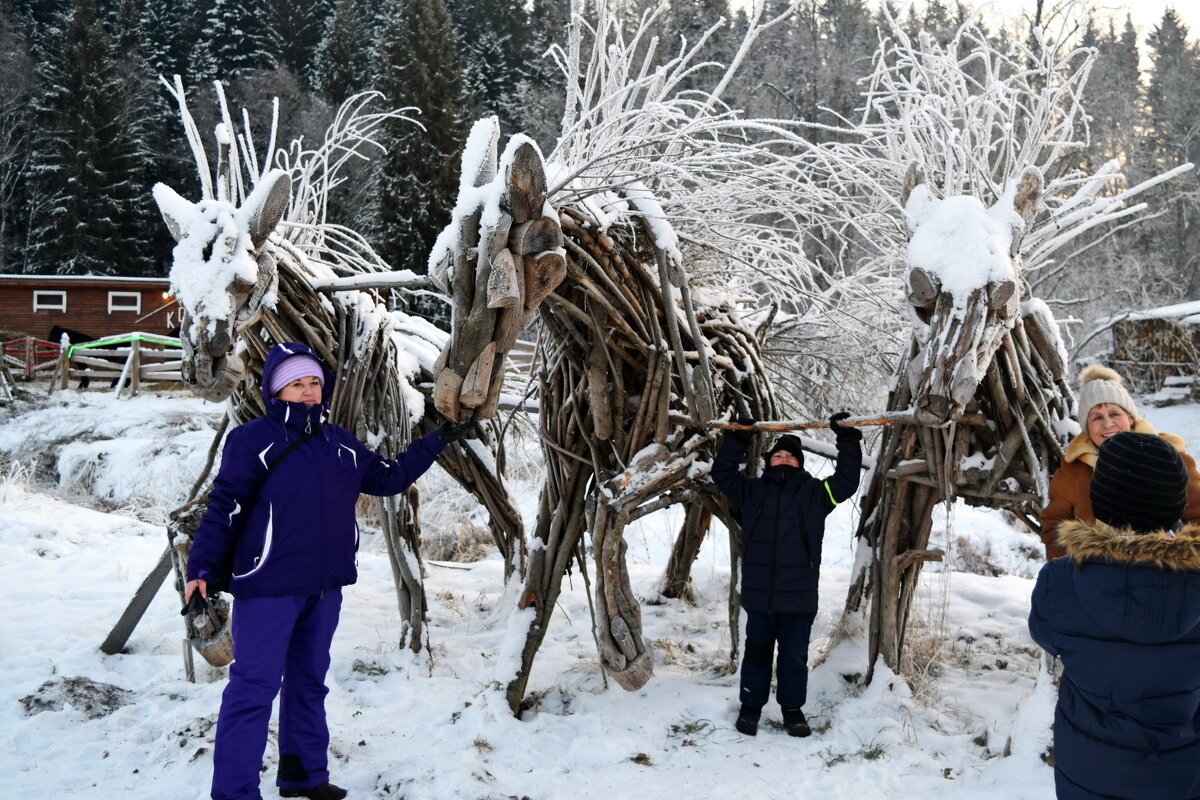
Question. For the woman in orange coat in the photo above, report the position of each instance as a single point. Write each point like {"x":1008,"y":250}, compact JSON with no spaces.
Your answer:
{"x":1105,"y":409}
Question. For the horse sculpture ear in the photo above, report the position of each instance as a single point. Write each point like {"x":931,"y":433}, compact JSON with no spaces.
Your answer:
{"x":172,"y":207}
{"x":266,"y":204}
{"x":1028,"y":198}
{"x":913,"y":178}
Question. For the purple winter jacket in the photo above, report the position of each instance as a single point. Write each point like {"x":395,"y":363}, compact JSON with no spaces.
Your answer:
{"x":299,"y":536}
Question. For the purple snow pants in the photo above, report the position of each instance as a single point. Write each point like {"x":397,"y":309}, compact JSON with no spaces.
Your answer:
{"x":276,"y":640}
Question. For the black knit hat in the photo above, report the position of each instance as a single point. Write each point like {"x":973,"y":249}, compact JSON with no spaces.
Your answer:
{"x":1140,"y":482}
{"x":789,"y":443}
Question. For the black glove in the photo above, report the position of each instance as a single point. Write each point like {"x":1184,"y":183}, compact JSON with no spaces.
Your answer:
{"x":744,"y":438}
{"x":197,"y":604}
{"x":843,"y":433}
{"x":453,"y":431}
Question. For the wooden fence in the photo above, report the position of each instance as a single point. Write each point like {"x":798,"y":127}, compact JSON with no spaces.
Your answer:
{"x":127,"y":360}
{"x":28,"y":357}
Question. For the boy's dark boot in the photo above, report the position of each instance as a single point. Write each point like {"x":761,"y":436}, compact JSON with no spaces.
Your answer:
{"x":326,"y":791}
{"x":747,"y":720}
{"x":795,"y":723}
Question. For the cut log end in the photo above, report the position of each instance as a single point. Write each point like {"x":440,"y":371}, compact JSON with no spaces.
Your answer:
{"x":474,"y":390}
{"x":446,"y":388}
{"x":543,"y":273}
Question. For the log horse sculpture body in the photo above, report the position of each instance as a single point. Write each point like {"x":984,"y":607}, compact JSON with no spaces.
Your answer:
{"x":975,"y":349}
{"x":627,"y":363}
{"x":243,"y":287}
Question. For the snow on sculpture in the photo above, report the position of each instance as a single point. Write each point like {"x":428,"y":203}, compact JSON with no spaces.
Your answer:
{"x":254,"y":266}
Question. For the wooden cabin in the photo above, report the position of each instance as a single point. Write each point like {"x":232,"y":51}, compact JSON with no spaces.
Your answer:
{"x":31,"y":305}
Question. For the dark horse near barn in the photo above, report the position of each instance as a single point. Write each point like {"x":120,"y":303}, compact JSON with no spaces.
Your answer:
{"x":78,"y":337}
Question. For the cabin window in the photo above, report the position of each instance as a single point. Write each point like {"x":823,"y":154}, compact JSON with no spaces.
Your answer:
{"x":125,"y":301}
{"x":49,"y":301}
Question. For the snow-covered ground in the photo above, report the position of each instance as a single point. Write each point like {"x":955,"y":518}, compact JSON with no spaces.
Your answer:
{"x":972,"y":724}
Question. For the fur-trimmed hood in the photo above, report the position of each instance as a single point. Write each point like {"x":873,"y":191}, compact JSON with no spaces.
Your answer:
{"x":1083,"y":449}
{"x":1141,"y":587}
{"x":1162,"y":549}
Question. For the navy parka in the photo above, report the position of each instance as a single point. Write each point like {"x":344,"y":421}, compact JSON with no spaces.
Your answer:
{"x":299,"y":535}
{"x":783,"y":524}
{"x":1122,"y":611}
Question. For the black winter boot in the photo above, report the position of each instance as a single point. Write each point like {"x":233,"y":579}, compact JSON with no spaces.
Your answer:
{"x":747,"y":720}
{"x":326,"y":791}
{"x":795,"y":723}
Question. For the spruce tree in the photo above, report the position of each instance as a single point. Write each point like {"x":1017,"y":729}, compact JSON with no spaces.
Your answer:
{"x":417,"y":176}
{"x":493,"y":45}
{"x":536,"y":108}
{"x":343,"y":63}
{"x":165,"y":42}
{"x":298,"y":26}
{"x":1112,"y":96}
{"x":16,"y":65}
{"x":236,"y":38}
{"x":90,"y":208}
{"x":1173,"y":109}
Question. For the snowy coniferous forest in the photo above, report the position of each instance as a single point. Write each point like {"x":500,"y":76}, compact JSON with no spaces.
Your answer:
{"x":87,"y":128}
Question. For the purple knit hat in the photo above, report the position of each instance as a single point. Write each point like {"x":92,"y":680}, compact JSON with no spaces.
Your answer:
{"x":299,"y":366}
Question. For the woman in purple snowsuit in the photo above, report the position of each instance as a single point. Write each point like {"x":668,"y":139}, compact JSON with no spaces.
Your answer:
{"x":295,"y":541}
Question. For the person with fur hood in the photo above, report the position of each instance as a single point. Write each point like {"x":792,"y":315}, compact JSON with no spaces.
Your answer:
{"x":1105,"y":409}
{"x":783,"y":523}
{"x":1122,"y":611}
{"x":283,"y":501}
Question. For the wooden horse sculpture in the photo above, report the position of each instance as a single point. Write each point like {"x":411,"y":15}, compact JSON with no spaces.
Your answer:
{"x":627,"y":362}
{"x":243,"y":285}
{"x":977,"y":354}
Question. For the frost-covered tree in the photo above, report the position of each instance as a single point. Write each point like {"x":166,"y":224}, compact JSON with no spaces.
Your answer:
{"x":537,"y":104}
{"x":1173,"y":128}
{"x":493,"y":47}
{"x":235,"y":38}
{"x":16,"y":68}
{"x":164,"y":27}
{"x":343,"y":62}
{"x":695,"y":19}
{"x":416,"y":179}
{"x":298,"y":26}
{"x":90,"y":212}
{"x":1113,"y":94}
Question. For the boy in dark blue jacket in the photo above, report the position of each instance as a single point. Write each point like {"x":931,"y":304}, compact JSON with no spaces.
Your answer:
{"x":295,"y":541}
{"x":783,"y":524}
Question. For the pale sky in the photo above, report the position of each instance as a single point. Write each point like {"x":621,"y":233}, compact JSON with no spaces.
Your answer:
{"x":1146,"y":13}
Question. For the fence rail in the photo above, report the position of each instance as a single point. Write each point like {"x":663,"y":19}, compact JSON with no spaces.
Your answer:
{"x":127,"y":359}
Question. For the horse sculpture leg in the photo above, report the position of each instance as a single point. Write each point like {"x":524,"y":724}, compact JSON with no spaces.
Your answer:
{"x":618,"y":614}
{"x":677,"y":580}
{"x":402,"y":536}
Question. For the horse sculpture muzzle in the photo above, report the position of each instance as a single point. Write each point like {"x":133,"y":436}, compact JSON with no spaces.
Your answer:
{"x":208,"y":365}
{"x":945,"y":377}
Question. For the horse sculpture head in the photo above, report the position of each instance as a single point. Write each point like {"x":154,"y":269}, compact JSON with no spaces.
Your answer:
{"x":222,"y":272}
{"x":964,"y":288}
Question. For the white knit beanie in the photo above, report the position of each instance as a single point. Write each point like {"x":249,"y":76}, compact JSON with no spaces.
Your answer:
{"x":1099,"y":384}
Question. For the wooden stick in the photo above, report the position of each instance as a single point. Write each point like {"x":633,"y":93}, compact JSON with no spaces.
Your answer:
{"x":887,"y":418}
